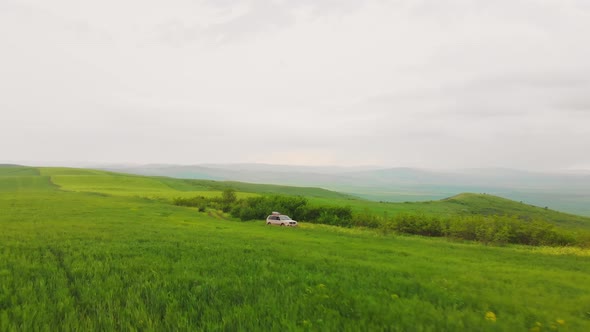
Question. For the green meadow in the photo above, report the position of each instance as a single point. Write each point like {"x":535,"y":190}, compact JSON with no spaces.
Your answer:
{"x":163,"y":188}
{"x":90,"y":250}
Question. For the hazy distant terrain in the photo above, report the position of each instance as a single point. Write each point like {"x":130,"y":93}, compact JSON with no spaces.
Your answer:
{"x":566,"y":191}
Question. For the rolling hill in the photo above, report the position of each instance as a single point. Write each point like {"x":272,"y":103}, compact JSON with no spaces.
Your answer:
{"x":105,"y":182}
{"x":566,"y":191}
{"x":112,"y":183}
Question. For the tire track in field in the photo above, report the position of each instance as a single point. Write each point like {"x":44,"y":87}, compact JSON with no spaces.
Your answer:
{"x":53,"y":184}
{"x":59,"y":258}
{"x":217,"y":215}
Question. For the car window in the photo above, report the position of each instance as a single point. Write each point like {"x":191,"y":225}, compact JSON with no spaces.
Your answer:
{"x":285,"y":218}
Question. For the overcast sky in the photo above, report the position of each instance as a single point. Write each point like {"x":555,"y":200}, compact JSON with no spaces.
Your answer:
{"x":424,"y":83}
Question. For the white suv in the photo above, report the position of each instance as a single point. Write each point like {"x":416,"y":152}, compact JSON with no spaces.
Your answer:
{"x":280,"y":219}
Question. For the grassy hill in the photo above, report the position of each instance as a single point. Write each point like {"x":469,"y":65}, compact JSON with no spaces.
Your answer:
{"x":564,"y":191}
{"x":83,"y":180}
{"x":89,"y":250}
{"x":163,"y":187}
{"x":493,"y":205}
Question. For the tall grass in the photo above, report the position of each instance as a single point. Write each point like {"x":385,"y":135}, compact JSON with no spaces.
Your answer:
{"x":88,"y":261}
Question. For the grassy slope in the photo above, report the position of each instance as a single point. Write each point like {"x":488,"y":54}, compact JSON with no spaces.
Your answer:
{"x":490,"y":205}
{"x":167,"y":188}
{"x":468,"y":204}
{"x":86,"y":261}
{"x":162,"y":187}
{"x":254,"y":188}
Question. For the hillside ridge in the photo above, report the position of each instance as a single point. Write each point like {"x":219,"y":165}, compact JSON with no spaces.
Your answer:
{"x":167,"y":188}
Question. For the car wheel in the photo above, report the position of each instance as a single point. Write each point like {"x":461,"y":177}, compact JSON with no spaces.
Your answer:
{"x":268,"y":223}
{"x":282,"y":224}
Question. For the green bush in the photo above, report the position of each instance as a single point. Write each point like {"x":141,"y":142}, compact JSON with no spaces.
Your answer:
{"x":199,"y":202}
{"x":260,"y":207}
{"x":368,"y":219}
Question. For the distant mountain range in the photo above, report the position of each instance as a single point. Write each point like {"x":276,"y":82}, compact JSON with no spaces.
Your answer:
{"x":566,"y":191}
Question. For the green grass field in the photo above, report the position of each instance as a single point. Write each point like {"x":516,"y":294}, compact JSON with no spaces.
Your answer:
{"x":88,"y":250}
{"x":83,"y":180}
